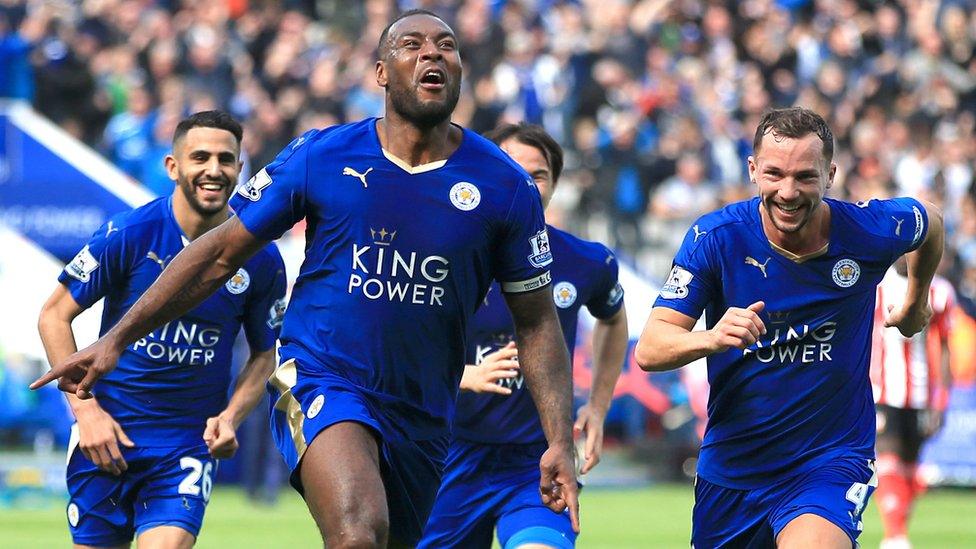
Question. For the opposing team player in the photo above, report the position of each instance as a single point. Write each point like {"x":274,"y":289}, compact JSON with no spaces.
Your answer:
{"x":492,"y":468}
{"x":787,"y":284}
{"x":911,"y":380}
{"x":144,"y":449}
{"x":409,"y":219}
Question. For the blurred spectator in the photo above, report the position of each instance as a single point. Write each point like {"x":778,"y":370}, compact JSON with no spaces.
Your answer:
{"x":686,"y":195}
{"x":152,"y":171}
{"x":129,"y":133}
{"x":16,"y":76}
{"x":628,"y":86}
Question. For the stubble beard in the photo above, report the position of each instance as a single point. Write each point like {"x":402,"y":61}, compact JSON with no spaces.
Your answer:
{"x":424,"y":115}
{"x":188,"y":188}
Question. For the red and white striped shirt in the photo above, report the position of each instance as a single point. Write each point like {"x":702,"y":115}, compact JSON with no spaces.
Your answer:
{"x":906,"y":372}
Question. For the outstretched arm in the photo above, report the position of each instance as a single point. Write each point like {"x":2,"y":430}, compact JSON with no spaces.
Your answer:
{"x":609,"y":349}
{"x":545,"y":365}
{"x":193,"y":275}
{"x":922,"y":264}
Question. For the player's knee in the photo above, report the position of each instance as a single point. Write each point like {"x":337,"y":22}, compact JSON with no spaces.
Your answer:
{"x":165,"y":537}
{"x":360,"y":533}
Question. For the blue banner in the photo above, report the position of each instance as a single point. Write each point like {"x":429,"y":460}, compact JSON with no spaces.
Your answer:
{"x":949,"y":458}
{"x":54,"y":190}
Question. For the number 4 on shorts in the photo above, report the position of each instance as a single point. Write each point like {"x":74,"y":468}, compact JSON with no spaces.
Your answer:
{"x":857,"y":494}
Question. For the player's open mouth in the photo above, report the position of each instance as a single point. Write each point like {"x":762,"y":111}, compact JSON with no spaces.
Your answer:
{"x":212,"y":188}
{"x":433,"y":79}
{"x":789,"y":211}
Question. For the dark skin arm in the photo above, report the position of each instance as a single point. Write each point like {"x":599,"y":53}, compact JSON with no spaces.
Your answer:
{"x":544,"y":361}
{"x":193,"y":275}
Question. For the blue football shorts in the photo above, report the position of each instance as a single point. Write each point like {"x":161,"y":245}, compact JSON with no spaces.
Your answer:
{"x":161,"y":487}
{"x":306,"y":404}
{"x":489,"y":486}
{"x":837,"y":491}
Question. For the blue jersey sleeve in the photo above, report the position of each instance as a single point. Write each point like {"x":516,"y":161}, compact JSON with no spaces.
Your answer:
{"x":609,"y":297}
{"x":524,"y":254}
{"x":99,"y":266}
{"x":273,"y":200}
{"x":901,"y":221}
{"x":265,"y":307}
{"x":692,"y":283}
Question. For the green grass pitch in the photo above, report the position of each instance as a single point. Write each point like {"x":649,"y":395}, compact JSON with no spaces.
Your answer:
{"x":648,"y":517}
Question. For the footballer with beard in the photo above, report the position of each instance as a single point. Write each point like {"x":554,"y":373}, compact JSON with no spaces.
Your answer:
{"x":144,"y":448}
{"x":409,"y":220}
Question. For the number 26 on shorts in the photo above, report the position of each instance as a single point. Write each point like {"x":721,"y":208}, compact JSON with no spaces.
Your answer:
{"x":199,"y":469}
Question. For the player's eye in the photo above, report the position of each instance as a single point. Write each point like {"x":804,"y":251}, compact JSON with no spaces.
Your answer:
{"x":447,"y":44}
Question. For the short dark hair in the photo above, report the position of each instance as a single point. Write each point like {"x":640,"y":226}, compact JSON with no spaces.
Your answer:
{"x":209,"y":119}
{"x":380,"y":53}
{"x":532,"y":135}
{"x":795,"y":122}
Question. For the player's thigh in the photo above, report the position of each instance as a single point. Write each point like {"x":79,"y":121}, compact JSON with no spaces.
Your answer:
{"x":525,"y":522}
{"x":165,"y":537}
{"x":173,"y":497}
{"x":100,"y":506}
{"x":343,"y":488}
{"x":823,"y":507}
{"x":809,"y":531}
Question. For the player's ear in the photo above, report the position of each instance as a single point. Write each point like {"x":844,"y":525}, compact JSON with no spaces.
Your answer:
{"x":381,"y":79}
{"x":170,"y":164}
{"x":751,"y":163}
{"x":831,"y":172}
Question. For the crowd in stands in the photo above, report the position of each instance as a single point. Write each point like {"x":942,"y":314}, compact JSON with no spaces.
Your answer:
{"x":655,"y":101}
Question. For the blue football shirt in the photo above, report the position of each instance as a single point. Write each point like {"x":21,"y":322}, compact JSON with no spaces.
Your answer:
{"x":801,"y":395}
{"x":584,"y":273}
{"x":397,"y":259}
{"x":168,"y":383}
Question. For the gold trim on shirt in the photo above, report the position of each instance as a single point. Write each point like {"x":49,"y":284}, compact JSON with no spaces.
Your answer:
{"x":798,"y":258}
{"x":413,"y":170}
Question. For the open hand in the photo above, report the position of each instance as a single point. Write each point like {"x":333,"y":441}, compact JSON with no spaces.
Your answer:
{"x":99,"y":436}
{"x":499,"y":365}
{"x":590,"y":421}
